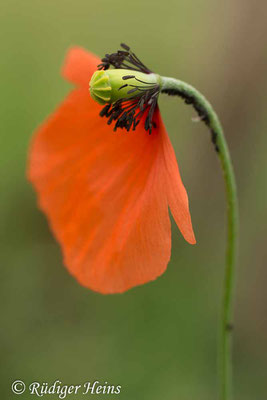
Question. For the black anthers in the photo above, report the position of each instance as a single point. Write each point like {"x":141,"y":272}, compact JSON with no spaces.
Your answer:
{"x":124,"y":59}
{"x":128,"y":112}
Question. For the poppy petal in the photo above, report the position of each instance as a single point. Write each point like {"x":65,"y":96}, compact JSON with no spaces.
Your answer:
{"x":102,"y":194}
{"x":176,"y":192}
{"x":79,"y":66}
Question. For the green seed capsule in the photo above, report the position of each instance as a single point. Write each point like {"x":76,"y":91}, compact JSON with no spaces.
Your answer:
{"x":108,"y":86}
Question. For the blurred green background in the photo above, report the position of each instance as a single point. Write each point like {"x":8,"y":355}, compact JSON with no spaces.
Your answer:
{"x":157,"y":341}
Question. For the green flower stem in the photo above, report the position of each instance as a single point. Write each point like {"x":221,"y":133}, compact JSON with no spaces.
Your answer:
{"x":207,"y":114}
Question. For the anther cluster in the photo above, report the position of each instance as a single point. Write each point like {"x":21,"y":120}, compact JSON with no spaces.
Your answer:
{"x":127,"y":113}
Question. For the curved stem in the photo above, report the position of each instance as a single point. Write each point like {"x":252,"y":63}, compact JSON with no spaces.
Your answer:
{"x":207,"y":114}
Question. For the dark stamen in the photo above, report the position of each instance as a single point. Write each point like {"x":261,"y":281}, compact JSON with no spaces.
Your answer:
{"x":128,"y":77}
{"x":132,"y":90}
{"x":105,"y":110}
{"x":123,"y":59}
{"x":128,"y":112}
{"x":124,"y":46}
{"x":123,"y":86}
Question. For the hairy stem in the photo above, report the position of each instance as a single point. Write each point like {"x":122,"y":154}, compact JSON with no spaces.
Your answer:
{"x":207,"y":114}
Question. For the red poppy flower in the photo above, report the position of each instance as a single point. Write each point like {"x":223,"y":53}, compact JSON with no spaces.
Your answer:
{"x":106,"y":195}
